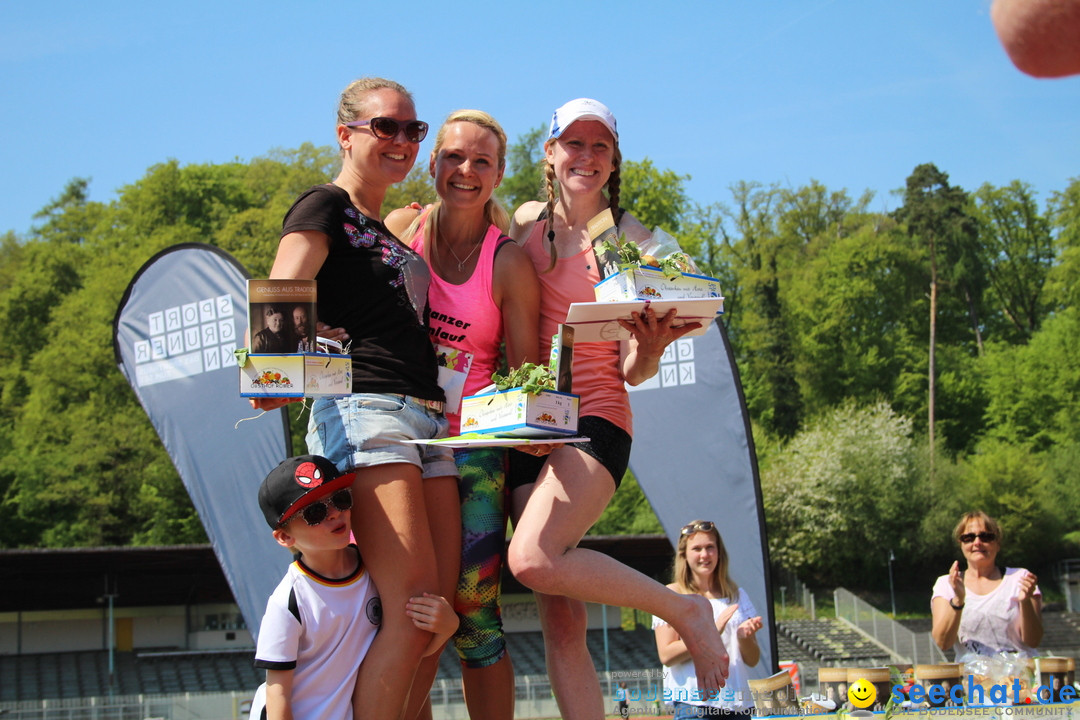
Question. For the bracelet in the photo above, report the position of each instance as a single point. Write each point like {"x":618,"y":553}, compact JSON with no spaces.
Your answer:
{"x":957,"y":608}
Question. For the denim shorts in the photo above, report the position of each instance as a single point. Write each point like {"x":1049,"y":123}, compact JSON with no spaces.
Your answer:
{"x":366,"y":429}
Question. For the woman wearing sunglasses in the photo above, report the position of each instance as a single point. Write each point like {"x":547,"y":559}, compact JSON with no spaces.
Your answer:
{"x":375,"y":289}
{"x":985,"y":609}
{"x":483,"y":293}
{"x":557,"y":497}
{"x":701,"y":568}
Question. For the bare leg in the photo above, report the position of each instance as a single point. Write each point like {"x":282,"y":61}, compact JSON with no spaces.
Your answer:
{"x":569,"y":664}
{"x":564,"y":624}
{"x":571,"y":493}
{"x":489,"y":691}
{"x":389,"y":525}
{"x":444,"y":520}
{"x":425,"y":711}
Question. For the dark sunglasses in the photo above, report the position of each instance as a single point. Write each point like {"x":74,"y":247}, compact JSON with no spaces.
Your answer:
{"x":317,"y":511}
{"x":986,"y":537}
{"x":386,"y":128}
{"x":703,"y":526}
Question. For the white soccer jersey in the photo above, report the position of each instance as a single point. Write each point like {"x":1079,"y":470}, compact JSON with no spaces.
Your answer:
{"x":322,"y":629}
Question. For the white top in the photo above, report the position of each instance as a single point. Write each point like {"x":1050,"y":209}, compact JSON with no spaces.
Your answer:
{"x":680,"y":679}
{"x":989,"y":623}
{"x":321,"y":629}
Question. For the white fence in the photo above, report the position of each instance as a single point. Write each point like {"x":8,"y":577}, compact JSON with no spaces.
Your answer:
{"x":906,"y":646}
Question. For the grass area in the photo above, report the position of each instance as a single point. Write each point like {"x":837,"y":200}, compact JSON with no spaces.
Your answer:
{"x":909,"y":604}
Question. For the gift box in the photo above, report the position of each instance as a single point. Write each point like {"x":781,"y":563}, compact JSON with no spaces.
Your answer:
{"x":295,"y":375}
{"x":648,"y":283}
{"x":516,"y":413}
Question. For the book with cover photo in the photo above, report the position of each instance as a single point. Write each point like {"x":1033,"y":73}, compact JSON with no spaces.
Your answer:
{"x":281,"y":315}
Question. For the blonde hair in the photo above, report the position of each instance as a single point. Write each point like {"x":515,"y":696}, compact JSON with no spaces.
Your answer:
{"x":351,"y":105}
{"x":683,"y":577}
{"x":988,"y":522}
{"x":494,"y":213}
{"x":549,"y":190}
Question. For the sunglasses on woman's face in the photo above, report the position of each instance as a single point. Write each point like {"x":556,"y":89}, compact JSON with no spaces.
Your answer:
{"x":986,"y":537}
{"x":317,"y":511}
{"x":704,"y":526}
{"x":386,"y":128}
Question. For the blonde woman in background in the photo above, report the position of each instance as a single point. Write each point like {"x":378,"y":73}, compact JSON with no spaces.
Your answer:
{"x":701,"y":568}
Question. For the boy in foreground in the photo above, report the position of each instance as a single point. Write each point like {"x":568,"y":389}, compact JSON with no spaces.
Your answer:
{"x":322,"y":617}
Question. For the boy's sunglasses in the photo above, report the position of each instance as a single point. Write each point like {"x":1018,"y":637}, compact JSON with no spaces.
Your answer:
{"x":317,"y":511}
{"x":703,"y":526}
{"x":386,"y":128}
{"x":986,"y":537}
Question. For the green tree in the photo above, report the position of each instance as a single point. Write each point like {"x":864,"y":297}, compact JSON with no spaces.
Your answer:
{"x":523,"y":180}
{"x":935,"y":214}
{"x":847,"y":308}
{"x":655,"y":197}
{"x":80,"y":463}
{"x":1063,"y":280}
{"x":418,"y":187}
{"x":762,"y":261}
{"x":1019,"y":254}
{"x":1034,"y":389}
{"x":628,"y":513}
{"x":838,"y":498}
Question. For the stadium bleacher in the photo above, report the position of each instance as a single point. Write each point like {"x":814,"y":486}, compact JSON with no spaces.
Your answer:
{"x":810,"y":643}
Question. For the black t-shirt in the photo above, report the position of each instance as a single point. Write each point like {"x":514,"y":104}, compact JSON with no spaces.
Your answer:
{"x":374,"y":287}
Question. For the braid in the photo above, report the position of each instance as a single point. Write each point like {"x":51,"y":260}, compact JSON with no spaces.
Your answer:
{"x":613,"y":186}
{"x":549,"y":185}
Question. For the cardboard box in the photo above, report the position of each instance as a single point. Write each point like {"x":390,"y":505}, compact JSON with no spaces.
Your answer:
{"x":516,"y":413}
{"x":647,"y":283}
{"x":598,"y":321}
{"x":295,"y":375}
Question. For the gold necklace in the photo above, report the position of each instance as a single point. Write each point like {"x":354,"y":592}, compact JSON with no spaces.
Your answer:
{"x":460,"y":262}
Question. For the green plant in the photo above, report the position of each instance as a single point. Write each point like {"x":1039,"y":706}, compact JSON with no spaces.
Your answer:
{"x":530,"y":377}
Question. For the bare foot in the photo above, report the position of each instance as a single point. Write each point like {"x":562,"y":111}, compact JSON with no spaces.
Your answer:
{"x":702,"y":639}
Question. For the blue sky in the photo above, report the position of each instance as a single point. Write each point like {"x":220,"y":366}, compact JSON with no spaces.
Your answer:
{"x":854,"y":93}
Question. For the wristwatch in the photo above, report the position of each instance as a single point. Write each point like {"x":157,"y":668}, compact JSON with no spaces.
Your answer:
{"x":956,"y":607}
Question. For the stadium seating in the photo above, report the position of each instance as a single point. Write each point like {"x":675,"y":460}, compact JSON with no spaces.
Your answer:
{"x":810,"y":643}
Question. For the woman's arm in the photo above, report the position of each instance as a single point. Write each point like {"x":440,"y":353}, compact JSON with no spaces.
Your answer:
{"x":669,"y":646}
{"x":640,"y":355}
{"x":748,"y":645}
{"x":300,"y":255}
{"x":1031,"y":627}
{"x":521,"y":223}
{"x":516,"y":291}
{"x":398,"y":221}
{"x":946,"y":616}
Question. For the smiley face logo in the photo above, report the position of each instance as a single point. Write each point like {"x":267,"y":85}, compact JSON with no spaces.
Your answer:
{"x":862,"y":693}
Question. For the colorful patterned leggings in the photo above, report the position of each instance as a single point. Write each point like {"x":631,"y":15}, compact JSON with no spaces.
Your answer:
{"x":479,"y":640}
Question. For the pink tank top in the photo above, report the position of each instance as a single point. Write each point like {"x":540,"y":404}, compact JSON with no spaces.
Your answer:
{"x":597,"y":377}
{"x":465,"y":326}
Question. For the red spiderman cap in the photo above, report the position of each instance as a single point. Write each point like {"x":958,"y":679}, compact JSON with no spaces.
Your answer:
{"x":296,"y":483}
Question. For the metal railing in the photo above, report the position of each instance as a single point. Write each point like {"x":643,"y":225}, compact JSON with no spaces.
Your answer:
{"x":792,"y":591}
{"x":905,"y":646}
{"x":534,"y":699}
